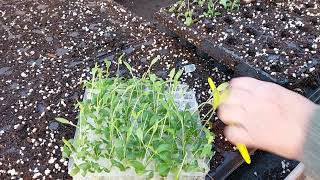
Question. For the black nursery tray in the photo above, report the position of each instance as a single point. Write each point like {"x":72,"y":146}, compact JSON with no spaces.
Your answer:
{"x":271,"y":41}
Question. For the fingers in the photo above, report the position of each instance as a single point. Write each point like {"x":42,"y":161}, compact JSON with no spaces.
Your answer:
{"x":233,"y":110}
{"x":237,"y":134}
{"x":245,"y":83}
{"x":237,"y":96}
{"x":232,"y":114}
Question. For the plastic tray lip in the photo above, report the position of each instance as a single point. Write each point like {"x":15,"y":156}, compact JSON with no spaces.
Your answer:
{"x":297,"y":172}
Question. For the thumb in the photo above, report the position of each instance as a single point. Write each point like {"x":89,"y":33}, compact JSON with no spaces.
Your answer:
{"x":237,"y":134}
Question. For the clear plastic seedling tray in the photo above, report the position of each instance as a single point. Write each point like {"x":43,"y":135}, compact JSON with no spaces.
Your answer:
{"x":185,"y":99}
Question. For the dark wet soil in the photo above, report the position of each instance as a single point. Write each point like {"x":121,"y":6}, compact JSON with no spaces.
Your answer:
{"x":279,"y":38}
{"x":47,"y":48}
{"x":145,"y":8}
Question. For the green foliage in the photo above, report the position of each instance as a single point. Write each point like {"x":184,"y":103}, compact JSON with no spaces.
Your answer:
{"x":211,"y":12}
{"x":188,"y":18}
{"x":134,"y":123}
{"x":185,"y":8}
{"x":230,"y":5}
{"x":220,"y":94}
{"x":65,"y":121}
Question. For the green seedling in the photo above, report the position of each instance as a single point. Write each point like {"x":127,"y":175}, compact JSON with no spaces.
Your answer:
{"x":188,"y":18}
{"x":230,"y":5}
{"x":134,"y":124}
{"x":211,"y":12}
{"x":185,"y":8}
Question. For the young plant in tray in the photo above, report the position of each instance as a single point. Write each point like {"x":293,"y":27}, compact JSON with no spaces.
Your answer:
{"x":186,"y":8}
{"x":135,"y":124}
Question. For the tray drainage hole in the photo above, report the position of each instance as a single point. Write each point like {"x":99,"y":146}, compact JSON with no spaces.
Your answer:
{"x":275,"y":68}
{"x":259,"y":8}
{"x":272,"y":44}
{"x":268,"y":25}
{"x":285,"y":33}
{"x":308,"y":45}
{"x":228,"y":19}
{"x":309,"y":5}
{"x":251,"y":52}
{"x":231,"y":40}
{"x":247,"y":14}
{"x":250,"y":30}
{"x":297,"y":11}
{"x":305,"y":28}
{"x":209,"y":28}
{"x":285,"y":18}
{"x":314,"y":21}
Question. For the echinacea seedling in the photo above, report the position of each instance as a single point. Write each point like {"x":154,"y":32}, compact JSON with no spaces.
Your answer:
{"x":230,"y":5}
{"x":188,"y":18}
{"x":211,"y":12}
{"x":135,"y":124}
{"x":187,"y":7}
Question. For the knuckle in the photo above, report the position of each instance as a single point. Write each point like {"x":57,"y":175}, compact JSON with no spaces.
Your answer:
{"x":222,"y":113}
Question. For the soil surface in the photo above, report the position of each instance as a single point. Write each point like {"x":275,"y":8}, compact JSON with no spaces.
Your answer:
{"x":145,"y":8}
{"x":280,"y":38}
{"x":47,"y":48}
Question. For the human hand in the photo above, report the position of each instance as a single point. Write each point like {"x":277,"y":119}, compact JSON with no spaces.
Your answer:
{"x":266,"y":116}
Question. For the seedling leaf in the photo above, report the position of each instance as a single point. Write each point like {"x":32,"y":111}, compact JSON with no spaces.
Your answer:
{"x":75,"y":170}
{"x":107,"y":63}
{"x":138,"y":166}
{"x":206,"y":150}
{"x":223,"y":86}
{"x":155,"y":60}
{"x":128,"y":66}
{"x":118,"y":164}
{"x":176,"y":78}
{"x":164,"y":169}
{"x":139,"y":134}
{"x":163,"y":147}
{"x":63,"y":120}
{"x":224,"y":3}
{"x":172,"y":73}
